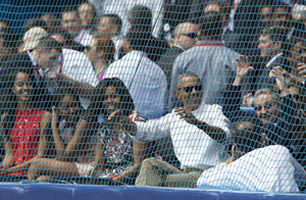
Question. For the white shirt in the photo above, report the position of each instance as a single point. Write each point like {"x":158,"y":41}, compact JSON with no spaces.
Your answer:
{"x":191,"y":145}
{"x":268,"y":169}
{"x":83,"y":37}
{"x":147,"y":86}
{"x":77,"y":66}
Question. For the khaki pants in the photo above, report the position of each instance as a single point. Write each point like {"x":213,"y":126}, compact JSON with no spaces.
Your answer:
{"x":158,"y":173}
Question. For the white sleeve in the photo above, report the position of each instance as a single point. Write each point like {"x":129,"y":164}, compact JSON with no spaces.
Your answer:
{"x":154,"y":129}
{"x":217,"y":119}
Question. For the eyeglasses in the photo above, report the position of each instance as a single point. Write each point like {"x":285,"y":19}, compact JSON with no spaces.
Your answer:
{"x":189,"y":89}
{"x":192,"y":35}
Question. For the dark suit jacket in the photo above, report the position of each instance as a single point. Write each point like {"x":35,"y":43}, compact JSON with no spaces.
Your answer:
{"x":166,"y":62}
{"x":156,"y":48}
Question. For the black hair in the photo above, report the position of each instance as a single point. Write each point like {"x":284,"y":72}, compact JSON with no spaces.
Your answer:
{"x":61,"y":92}
{"x":10,"y":102}
{"x":138,"y":39}
{"x":126,"y":100}
{"x":115,"y":20}
{"x":140,"y":16}
{"x":248,"y":138}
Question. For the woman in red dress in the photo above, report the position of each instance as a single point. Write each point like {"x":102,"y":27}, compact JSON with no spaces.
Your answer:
{"x":24,"y":127}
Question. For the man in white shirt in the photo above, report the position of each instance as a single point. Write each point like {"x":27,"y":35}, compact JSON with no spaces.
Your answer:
{"x":257,"y":169}
{"x":145,"y":80}
{"x":198,"y":132}
{"x":88,"y":15}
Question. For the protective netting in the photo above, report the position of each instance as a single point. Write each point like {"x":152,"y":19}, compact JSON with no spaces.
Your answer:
{"x":165,"y":93}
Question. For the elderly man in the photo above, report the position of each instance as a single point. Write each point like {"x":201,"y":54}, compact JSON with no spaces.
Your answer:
{"x":198,"y":132}
{"x":209,"y":59}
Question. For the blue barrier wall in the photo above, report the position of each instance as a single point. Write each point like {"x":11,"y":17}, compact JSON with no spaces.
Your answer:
{"x":70,"y":192}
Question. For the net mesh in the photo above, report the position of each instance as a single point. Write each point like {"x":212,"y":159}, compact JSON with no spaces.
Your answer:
{"x":165,"y":93}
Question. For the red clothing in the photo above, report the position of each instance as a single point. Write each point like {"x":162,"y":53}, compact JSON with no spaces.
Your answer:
{"x":25,"y":135}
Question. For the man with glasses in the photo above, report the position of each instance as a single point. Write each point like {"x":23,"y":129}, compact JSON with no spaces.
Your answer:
{"x":214,"y":63}
{"x":197,"y":130}
{"x":185,"y":37}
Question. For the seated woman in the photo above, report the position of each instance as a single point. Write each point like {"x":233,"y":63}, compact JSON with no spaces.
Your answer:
{"x":72,"y":139}
{"x":120,"y":156}
{"x":24,"y":126}
{"x":100,"y":51}
{"x":254,"y":167}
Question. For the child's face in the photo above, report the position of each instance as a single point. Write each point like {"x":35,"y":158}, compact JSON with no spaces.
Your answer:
{"x":68,"y":108}
{"x":111,"y":101}
{"x":23,"y":87}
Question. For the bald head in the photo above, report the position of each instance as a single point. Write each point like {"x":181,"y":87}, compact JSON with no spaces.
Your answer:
{"x":185,"y":34}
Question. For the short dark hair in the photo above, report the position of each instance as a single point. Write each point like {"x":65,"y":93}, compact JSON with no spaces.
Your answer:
{"x":115,"y":20}
{"x":47,"y":44}
{"x":126,"y":99}
{"x":140,"y":16}
{"x":211,"y":24}
{"x":138,"y":39}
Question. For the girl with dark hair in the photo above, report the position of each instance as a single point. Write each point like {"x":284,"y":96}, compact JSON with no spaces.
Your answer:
{"x":72,"y":140}
{"x":24,"y":126}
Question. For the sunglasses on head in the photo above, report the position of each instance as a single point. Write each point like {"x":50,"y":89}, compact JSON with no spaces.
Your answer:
{"x":189,"y":89}
{"x":191,"y":35}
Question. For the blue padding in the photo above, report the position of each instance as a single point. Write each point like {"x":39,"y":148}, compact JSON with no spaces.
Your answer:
{"x":66,"y":192}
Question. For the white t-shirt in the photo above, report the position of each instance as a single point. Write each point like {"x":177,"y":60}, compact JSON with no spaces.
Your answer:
{"x":191,"y":145}
{"x":268,"y":169}
{"x":147,"y":86}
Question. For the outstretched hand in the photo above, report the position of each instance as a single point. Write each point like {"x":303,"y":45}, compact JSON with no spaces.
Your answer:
{"x":187,"y":116}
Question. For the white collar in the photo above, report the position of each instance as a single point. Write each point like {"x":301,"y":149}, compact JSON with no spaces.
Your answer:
{"x":34,"y":63}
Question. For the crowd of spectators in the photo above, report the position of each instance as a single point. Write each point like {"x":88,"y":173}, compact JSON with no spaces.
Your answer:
{"x":202,"y":93}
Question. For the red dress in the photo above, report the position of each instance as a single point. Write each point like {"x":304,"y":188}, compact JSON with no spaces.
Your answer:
{"x":25,"y":135}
